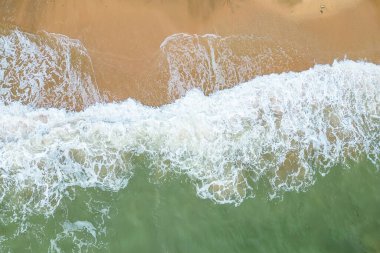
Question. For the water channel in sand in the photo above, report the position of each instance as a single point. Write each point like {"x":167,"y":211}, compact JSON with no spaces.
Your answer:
{"x":123,"y":38}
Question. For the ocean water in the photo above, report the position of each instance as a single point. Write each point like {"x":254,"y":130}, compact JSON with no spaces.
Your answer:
{"x":285,"y":162}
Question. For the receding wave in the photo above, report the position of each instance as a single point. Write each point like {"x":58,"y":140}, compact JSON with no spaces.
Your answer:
{"x":45,"y":69}
{"x":212,"y":62}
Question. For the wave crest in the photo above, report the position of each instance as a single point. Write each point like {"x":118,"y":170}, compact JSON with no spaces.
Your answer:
{"x":281,"y":129}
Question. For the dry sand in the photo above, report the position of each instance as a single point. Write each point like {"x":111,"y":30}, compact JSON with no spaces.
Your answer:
{"x":124,"y":36}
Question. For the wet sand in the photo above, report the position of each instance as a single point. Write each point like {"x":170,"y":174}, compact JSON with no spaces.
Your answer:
{"x":124,"y":37}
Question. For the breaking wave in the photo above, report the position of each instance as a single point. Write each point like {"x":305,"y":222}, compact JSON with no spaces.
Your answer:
{"x":284,"y":129}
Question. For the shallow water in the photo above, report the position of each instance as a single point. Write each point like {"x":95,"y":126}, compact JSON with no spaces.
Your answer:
{"x":338,"y":214}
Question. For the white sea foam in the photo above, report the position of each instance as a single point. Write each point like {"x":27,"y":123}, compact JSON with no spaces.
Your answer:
{"x":212,"y":62}
{"x":82,"y":234}
{"x":281,"y":129}
{"x":45,"y":69}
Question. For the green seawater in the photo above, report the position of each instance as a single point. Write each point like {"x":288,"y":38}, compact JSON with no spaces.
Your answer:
{"x":340,"y":213}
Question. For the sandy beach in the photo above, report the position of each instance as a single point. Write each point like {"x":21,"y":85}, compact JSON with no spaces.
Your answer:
{"x":124,"y":37}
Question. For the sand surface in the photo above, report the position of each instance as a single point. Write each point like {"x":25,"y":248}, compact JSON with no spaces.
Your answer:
{"x":124,"y":37}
